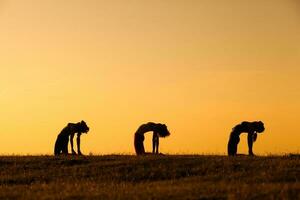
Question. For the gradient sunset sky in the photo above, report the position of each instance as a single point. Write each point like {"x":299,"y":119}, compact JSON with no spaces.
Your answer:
{"x":200,"y":66}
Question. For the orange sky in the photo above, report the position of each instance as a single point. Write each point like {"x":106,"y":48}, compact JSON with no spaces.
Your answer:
{"x":200,"y":66}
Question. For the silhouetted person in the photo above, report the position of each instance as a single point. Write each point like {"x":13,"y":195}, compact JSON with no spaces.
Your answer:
{"x":61,"y":144}
{"x":159,"y":130}
{"x":252,"y":128}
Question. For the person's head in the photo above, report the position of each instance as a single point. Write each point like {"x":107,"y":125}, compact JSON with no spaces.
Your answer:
{"x":258,"y":126}
{"x":162,"y":130}
{"x":83,"y":128}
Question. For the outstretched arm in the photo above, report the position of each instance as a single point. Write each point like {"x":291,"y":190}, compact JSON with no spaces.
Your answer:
{"x":250,"y":142}
{"x":71,"y":141}
{"x":254,"y":136}
{"x":78,"y":144}
{"x":155,"y":143}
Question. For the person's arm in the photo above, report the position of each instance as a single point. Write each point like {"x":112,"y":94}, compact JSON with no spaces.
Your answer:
{"x":155,"y":143}
{"x":254,"y":136}
{"x":250,"y":143}
{"x":78,"y":144}
{"x":71,"y":141}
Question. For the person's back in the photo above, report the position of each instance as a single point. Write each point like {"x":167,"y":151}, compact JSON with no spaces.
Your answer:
{"x":62,"y":140}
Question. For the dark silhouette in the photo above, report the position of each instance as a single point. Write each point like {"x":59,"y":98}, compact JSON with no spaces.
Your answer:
{"x":159,"y":130}
{"x":61,"y":144}
{"x":252,"y":128}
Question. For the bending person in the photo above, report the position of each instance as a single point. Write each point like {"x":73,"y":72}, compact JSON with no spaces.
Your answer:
{"x":159,"y":130}
{"x":61,"y":144}
{"x":252,"y":128}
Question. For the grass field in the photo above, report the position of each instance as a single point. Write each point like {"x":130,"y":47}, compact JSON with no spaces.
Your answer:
{"x":150,"y":177}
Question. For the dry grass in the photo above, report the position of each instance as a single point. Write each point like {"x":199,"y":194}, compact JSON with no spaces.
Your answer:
{"x":150,"y":177}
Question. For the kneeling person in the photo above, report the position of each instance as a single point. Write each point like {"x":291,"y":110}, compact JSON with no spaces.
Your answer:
{"x":61,"y":144}
{"x":252,"y":128}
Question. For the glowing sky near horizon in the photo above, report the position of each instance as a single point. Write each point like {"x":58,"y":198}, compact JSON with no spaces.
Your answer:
{"x":200,"y":66}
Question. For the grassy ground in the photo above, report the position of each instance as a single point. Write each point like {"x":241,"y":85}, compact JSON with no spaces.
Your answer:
{"x":150,"y":177}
